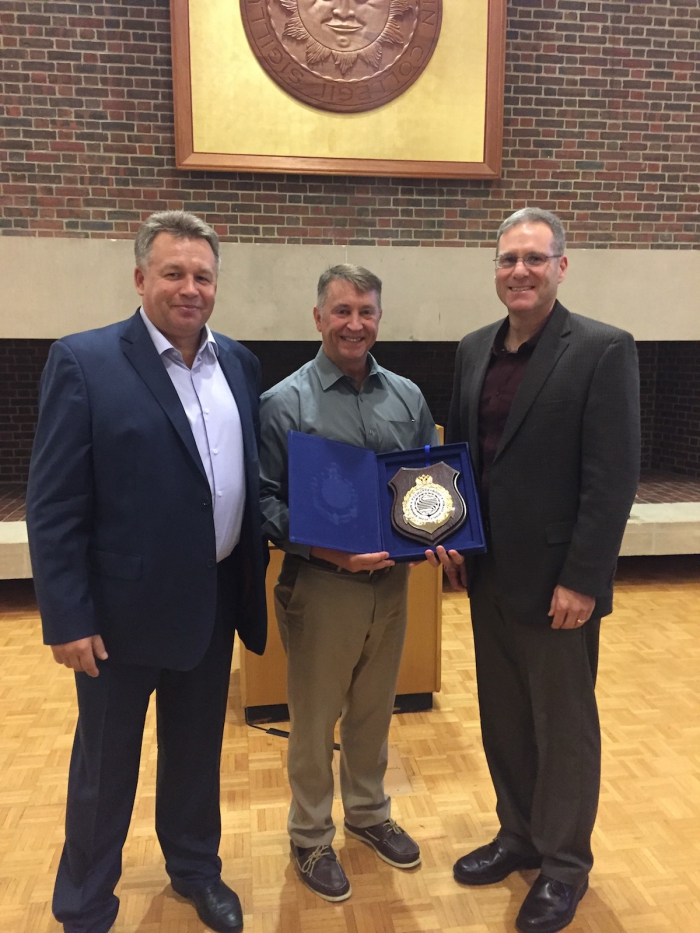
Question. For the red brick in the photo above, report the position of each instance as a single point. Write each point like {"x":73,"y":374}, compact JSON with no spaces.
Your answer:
{"x":594,"y":92}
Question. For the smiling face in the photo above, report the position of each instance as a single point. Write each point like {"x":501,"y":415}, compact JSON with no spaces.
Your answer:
{"x":529,"y":293}
{"x":344,"y":25}
{"x":348,"y":323}
{"x":178,"y":288}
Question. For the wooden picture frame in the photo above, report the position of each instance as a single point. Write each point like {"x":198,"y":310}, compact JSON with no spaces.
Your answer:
{"x":311,"y":157}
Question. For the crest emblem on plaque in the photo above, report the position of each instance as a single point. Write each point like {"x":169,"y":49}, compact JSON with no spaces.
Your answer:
{"x":345,"y":56}
{"x":428,"y":505}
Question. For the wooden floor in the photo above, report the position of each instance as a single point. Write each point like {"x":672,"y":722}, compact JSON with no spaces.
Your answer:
{"x":647,"y":840}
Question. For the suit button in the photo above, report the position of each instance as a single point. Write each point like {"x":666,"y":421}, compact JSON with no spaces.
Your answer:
{"x":206,"y":503}
{"x":211,"y":563}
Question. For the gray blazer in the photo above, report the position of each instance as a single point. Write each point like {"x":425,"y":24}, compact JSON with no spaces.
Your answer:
{"x":566,"y":470}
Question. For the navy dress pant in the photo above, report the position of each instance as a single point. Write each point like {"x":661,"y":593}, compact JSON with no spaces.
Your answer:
{"x":190,"y":711}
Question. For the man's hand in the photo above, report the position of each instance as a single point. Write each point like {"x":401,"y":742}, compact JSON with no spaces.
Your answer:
{"x":453,"y":565}
{"x":570,"y":609}
{"x":80,"y":655}
{"x":353,"y":562}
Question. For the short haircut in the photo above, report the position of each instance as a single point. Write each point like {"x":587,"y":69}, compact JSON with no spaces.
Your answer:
{"x":536,"y":215}
{"x":362,"y":279}
{"x":178,"y":224}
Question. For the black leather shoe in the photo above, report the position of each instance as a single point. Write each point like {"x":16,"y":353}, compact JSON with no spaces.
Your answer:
{"x":491,"y":863}
{"x":217,"y":905}
{"x":549,"y":906}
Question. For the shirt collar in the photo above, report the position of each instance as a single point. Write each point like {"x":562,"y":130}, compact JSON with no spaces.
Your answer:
{"x":329,"y":373}
{"x":163,"y":345}
{"x":525,"y":349}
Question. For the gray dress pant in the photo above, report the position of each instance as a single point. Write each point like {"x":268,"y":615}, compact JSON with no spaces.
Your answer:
{"x":540,"y":729}
{"x":343,"y":634}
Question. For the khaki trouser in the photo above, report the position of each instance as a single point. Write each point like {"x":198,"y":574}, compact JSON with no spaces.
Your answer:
{"x":343,"y":634}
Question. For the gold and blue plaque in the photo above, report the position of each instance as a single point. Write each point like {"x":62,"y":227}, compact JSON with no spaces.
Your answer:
{"x":351,"y":499}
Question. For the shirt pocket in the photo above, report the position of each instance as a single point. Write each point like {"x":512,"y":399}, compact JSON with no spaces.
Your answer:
{"x":402,"y":433}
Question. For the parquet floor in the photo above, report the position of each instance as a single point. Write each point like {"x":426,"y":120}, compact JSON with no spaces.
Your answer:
{"x":647,"y":840}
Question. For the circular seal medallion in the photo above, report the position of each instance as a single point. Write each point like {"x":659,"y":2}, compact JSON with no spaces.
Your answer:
{"x":345,"y":56}
{"x":427,"y":505}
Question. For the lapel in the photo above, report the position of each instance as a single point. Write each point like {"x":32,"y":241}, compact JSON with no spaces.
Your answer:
{"x":483,"y":355}
{"x":550,"y":346}
{"x":138,"y":348}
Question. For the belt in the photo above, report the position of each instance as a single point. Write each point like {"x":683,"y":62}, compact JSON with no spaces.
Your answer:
{"x":328,"y":565}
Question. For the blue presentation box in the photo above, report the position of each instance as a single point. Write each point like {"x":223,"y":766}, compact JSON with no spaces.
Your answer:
{"x":340,"y":498}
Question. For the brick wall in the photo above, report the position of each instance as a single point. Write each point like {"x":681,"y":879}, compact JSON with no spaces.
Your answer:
{"x":677,"y":419}
{"x":21,"y":363}
{"x":670,"y":393}
{"x":648,"y":370}
{"x":602,"y":114}
{"x":601,"y":120}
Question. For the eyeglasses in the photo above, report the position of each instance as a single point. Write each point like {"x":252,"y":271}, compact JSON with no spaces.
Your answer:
{"x":530,"y":261}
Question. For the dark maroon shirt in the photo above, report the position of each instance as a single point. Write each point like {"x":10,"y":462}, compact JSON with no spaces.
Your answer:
{"x":504,"y":375}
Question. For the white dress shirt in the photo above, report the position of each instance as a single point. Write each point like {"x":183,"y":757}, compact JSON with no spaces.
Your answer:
{"x":216,"y":426}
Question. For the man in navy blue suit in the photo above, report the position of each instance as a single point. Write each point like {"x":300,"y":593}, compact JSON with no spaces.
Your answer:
{"x":144,"y":530}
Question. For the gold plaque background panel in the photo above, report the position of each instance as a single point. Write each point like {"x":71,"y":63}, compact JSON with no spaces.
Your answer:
{"x":238,"y":108}
{"x":317,"y":70}
{"x":443,"y":475}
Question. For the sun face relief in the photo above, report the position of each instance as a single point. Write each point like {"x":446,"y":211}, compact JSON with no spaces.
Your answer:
{"x":344,"y":25}
{"x":343,"y":55}
{"x":350,"y":33}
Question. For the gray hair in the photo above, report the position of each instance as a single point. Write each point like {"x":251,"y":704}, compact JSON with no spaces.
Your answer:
{"x":536,"y":215}
{"x":178,"y":224}
{"x":361,"y":279}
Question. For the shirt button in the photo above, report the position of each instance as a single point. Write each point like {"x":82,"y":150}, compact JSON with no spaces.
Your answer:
{"x":206,"y":411}
{"x":219,"y":494}
{"x":215,"y":451}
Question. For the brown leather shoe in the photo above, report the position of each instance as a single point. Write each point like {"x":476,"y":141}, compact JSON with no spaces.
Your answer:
{"x":491,"y":863}
{"x":389,"y":841}
{"x":319,"y":869}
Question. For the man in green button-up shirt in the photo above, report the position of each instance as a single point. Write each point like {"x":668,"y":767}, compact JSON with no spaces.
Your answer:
{"x":342,"y":616}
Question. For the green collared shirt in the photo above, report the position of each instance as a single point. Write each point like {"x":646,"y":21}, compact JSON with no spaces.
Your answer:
{"x":388,"y":413}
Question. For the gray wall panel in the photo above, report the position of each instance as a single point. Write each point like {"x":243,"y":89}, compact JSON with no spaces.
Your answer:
{"x":54,"y":286}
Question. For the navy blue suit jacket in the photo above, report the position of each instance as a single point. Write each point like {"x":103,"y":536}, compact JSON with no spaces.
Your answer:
{"x":119,"y":510}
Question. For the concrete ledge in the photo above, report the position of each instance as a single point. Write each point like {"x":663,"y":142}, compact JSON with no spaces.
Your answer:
{"x":668,"y":528}
{"x":14,"y":551}
{"x":665,"y":528}
{"x":266,"y":291}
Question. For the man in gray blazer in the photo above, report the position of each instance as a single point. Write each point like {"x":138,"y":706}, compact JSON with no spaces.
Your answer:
{"x":549,"y":403}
